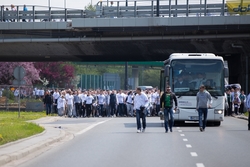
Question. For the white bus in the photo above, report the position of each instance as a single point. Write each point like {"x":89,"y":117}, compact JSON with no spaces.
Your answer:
{"x":185,"y":72}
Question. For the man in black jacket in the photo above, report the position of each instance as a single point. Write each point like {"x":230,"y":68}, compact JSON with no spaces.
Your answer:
{"x":167,"y":99}
{"x":112,"y":103}
{"x":48,"y":101}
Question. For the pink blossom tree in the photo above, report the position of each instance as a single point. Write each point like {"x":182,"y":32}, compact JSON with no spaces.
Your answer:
{"x":7,"y":70}
{"x":57,"y":73}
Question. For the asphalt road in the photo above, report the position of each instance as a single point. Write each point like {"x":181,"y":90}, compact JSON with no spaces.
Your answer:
{"x":115,"y":143}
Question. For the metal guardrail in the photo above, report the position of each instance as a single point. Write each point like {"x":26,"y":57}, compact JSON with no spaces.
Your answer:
{"x":118,"y":9}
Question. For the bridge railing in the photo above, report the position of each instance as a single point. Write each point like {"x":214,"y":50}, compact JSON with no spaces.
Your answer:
{"x":126,"y":8}
{"x":42,"y":13}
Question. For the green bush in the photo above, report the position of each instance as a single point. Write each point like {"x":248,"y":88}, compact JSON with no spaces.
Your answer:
{"x":9,"y":94}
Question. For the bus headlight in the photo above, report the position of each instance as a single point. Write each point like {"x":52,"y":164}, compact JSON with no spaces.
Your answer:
{"x":218,"y":111}
{"x":177,"y":111}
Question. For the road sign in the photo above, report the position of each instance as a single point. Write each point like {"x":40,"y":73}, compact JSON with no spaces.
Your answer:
{"x":19,"y":73}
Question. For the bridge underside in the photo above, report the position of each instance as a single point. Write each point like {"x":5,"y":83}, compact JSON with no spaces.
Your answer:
{"x":137,"y":50}
{"x":149,"y":44}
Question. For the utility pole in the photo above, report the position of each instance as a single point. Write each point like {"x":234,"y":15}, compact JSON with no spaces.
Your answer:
{"x":126,"y":76}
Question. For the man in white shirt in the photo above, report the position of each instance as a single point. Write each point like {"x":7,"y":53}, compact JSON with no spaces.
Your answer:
{"x":120,"y":100}
{"x":37,"y":93}
{"x":83,"y":96}
{"x":16,"y":94}
{"x":56,"y":95}
{"x":140,"y":101}
{"x":41,"y":93}
{"x":88,"y":103}
{"x":130,"y":103}
{"x":101,"y":102}
{"x":69,"y":99}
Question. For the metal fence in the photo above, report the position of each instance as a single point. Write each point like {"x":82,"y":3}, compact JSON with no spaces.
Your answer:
{"x":13,"y":98}
{"x":125,"y":8}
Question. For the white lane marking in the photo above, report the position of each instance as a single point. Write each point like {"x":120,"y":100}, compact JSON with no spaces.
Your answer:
{"x":200,"y":165}
{"x":179,"y":130}
{"x":177,"y":127}
{"x":188,"y":146}
{"x":91,"y":127}
{"x":193,"y":154}
{"x":185,"y":139}
{"x":182,"y":134}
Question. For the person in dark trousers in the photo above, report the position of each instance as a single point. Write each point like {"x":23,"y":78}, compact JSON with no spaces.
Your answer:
{"x":229,"y":104}
{"x":166,"y":101}
{"x":248,"y":109}
{"x":242,"y":104}
{"x":48,"y":101}
{"x":77,"y":102}
{"x":112,"y":103}
{"x":204,"y":101}
{"x":140,"y":102}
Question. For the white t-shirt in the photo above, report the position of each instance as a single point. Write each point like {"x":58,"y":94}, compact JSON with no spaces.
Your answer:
{"x":61,"y":102}
{"x":70,"y":99}
{"x":16,"y":93}
{"x":120,"y":97}
{"x":56,"y":95}
{"x":83,"y":97}
{"x":41,"y":93}
{"x":89,"y":99}
{"x":140,"y":100}
{"x":101,"y":99}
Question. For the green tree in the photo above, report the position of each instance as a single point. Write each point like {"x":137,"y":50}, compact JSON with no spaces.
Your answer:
{"x":90,"y":7}
{"x":151,"y":77}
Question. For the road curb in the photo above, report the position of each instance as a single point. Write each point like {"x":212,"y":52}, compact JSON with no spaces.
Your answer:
{"x":241,"y":117}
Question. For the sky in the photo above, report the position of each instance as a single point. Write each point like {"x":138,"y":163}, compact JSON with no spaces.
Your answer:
{"x":77,"y":4}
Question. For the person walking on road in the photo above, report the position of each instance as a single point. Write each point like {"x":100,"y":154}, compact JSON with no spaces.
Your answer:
{"x":167,"y":99}
{"x":248,"y":109}
{"x":204,"y":101}
{"x":140,"y":101}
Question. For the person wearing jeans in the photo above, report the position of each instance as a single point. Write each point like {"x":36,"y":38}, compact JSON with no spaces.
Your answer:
{"x":204,"y":101}
{"x":167,"y":99}
{"x":140,"y":101}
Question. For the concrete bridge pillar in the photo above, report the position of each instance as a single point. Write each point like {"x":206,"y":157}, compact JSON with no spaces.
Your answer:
{"x":135,"y":75}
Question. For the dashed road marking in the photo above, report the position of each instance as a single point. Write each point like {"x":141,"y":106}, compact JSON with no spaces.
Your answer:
{"x":185,"y":139}
{"x":182,"y":134}
{"x":193,"y":154}
{"x":200,"y":165}
{"x":179,"y":130}
{"x":177,"y":127}
{"x":188,"y":146}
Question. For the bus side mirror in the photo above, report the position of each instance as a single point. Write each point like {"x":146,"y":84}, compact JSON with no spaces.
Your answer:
{"x":226,"y":72}
{"x":166,"y":71}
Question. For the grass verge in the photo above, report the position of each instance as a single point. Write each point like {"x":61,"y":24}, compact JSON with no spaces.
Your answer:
{"x":13,"y":128}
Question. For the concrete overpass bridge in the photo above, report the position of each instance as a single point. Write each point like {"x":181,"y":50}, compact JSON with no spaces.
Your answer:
{"x":133,"y":31}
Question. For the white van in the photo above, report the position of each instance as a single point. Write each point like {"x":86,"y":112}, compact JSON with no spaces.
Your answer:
{"x":145,"y":87}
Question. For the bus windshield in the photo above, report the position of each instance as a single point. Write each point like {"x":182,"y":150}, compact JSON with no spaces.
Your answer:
{"x":189,"y":74}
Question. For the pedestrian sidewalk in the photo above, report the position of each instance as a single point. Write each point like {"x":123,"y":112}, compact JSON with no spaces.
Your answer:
{"x":21,"y":148}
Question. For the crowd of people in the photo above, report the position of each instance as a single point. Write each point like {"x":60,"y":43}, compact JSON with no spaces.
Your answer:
{"x":235,"y":102}
{"x":97,"y":103}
